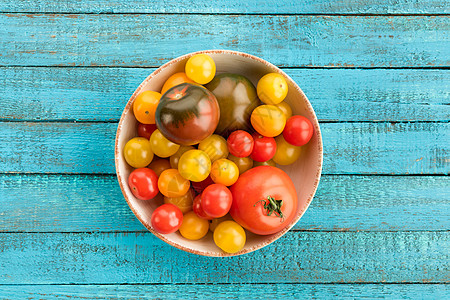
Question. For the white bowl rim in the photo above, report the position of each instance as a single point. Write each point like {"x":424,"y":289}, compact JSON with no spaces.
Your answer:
{"x":314,"y":121}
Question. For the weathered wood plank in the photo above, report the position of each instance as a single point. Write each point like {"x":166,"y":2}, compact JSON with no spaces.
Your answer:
{"x":231,"y":6}
{"x":362,"y":148}
{"x":228,"y":291}
{"x":294,"y":41}
{"x":77,"y":203}
{"x":99,"y":94}
{"x":297,"y":257}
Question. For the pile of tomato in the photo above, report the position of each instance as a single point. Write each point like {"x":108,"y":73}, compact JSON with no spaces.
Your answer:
{"x":209,"y":143}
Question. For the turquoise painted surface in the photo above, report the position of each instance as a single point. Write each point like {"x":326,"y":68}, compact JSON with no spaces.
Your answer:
{"x":287,"y":41}
{"x":375,"y":64}
{"x":363,"y":148}
{"x":77,"y":203}
{"x":217,"y":291}
{"x":302,"y":257}
{"x":99,"y":94}
{"x":230,"y":6}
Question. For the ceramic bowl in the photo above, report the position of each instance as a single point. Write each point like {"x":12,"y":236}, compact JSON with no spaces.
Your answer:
{"x":305,"y":173}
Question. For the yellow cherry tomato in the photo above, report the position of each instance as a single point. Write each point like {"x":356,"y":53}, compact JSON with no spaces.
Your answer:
{"x":161,"y":146}
{"x":200,"y":68}
{"x":243,"y":163}
{"x":175,"y":79}
{"x":193,"y":227}
{"x":229,"y":236}
{"x":138,"y":152}
{"x":215,"y":222}
{"x":215,"y":146}
{"x":285,"y":108}
{"x":184,"y":203}
{"x":172,"y":184}
{"x":269,"y":162}
{"x":224,"y":171}
{"x":286,"y":153}
{"x":194,"y":165}
{"x":159,"y":165}
{"x":144,"y":106}
{"x":268,"y":120}
{"x":174,"y":159}
{"x":272,"y":88}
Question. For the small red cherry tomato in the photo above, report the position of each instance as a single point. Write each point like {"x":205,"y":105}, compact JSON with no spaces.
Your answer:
{"x":143,"y":183}
{"x":200,"y":186}
{"x":167,"y":218}
{"x":298,"y":130}
{"x":264,"y":148}
{"x":197,"y":208}
{"x":240,"y":143}
{"x":145,"y":130}
{"x":216,"y":200}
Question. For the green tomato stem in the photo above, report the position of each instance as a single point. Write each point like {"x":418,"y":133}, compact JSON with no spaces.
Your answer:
{"x":272,"y":206}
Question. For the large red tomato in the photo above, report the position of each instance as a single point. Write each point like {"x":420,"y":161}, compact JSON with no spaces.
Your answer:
{"x":264,"y":200}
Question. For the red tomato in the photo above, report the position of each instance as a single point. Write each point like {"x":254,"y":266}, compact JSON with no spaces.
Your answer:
{"x":145,"y":130}
{"x":264,"y":200}
{"x":240,"y":143}
{"x":197,"y":208}
{"x":264,"y":148}
{"x":200,"y":186}
{"x":216,"y":200}
{"x":143,"y":183}
{"x":298,"y":130}
{"x":167,"y":218}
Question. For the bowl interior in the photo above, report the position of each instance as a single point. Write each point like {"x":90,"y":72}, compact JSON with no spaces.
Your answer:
{"x":305,"y":173}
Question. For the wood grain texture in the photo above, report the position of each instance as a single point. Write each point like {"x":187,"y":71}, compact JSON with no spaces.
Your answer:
{"x":294,"y":41}
{"x":361,"y":148}
{"x":231,"y":6}
{"x":100,"y":94}
{"x":77,"y":203}
{"x":229,"y":291}
{"x":297,"y":257}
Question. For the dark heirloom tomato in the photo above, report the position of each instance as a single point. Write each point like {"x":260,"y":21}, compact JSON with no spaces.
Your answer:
{"x":237,"y":98}
{"x":264,"y":200}
{"x":187,"y":114}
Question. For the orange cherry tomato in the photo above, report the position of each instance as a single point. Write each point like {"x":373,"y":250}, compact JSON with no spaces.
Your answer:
{"x":172,"y":184}
{"x":144,"y":106}
{"x":175,"y":79}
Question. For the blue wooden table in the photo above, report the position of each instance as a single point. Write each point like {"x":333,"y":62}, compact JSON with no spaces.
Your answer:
{"x":376,"y":72}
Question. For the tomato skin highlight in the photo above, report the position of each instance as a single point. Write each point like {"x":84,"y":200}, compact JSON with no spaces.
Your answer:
{"x":251,"y":191}
{"x":264,"y":148}
{"x":174,"y":80}
{"x":229,"y":236}
{"x":138,"y":152}
{"x":216,"y":200}
{"x":187,"y":114}
{"x":193,"y":227}
{"x":240,"y":143}
{"x":166,"y":219}
{"x":143,"y":183}
{"x":144,"y":106}
{"x":298,"y":130}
